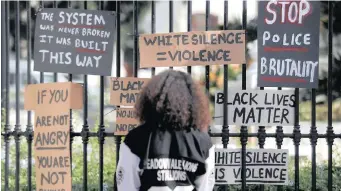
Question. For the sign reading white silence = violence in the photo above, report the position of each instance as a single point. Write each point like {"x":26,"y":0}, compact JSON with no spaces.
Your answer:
{"x":256,"y":107}
{"x":288,"y":43}
{"x":263,"y":166}
{"x":74,"y":41}
{"x":192,"y":48}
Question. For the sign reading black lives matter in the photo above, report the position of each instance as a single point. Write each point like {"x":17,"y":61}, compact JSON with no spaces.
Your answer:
{"x":263,"y":166}
{"x":288,"y":43}
{"x":256,"y":107}
{"x":74,"y":41}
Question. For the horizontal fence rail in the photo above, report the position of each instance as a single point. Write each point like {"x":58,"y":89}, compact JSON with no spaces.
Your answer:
{"x":19,"y":132}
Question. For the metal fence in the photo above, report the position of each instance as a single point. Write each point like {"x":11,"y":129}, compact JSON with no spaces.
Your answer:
{"x":17,"y":134}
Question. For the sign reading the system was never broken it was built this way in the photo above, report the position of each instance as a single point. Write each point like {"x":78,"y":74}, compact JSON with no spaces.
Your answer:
{"x":263,"y":166}
{"x":74,"y":41}
{"x":288,"y":43}
{"x":192,"y":48}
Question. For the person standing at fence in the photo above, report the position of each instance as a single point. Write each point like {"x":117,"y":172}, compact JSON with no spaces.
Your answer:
{"x":171,"y":150}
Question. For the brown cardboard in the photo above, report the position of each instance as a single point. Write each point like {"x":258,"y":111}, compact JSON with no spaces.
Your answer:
{"x":149,"y":54}
{"x":118,"y":91}
{"x":44,"y":152}
{"x":52,"y":131}
{"x":34,"y":93}
{"x":125,"y":120}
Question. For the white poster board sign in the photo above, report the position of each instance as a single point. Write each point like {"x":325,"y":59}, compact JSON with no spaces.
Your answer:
{"x":263,"y":166}
{"x":256,"y":107}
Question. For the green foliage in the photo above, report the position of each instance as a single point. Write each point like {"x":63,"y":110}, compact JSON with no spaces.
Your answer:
{"x":109,"y":157}
{"x":321,"y":111}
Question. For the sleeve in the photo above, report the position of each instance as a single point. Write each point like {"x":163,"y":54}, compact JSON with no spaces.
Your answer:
{"x":206,"y":181}
{"x":127,"y":171}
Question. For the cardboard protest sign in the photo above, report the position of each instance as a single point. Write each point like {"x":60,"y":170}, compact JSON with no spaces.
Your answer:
{"x":125,"y":121}
{"x":74,"y":41}
{"x":52,"y":103}
{"x":126,"y":91}
{"x":288,"y":43}
{"x":263,"y":166}
{"x":256,"y":107}
{"x":192,"y":48}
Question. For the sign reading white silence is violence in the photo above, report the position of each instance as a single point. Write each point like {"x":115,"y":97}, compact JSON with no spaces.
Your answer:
{"x":192,"y":48}
{"x":263,"y":166}
{"x":74,"y":41}
{"x":288,"y":43}
{"x":256,"y":107}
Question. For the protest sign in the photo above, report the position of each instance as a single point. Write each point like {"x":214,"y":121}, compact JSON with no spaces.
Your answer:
{"x":288,"y":43}
{"x":192,"y":48}
{"x":256,"y":107}
{"x":52,"y":103}
{"x":263,"y":166}
{"x":125,"y":121}
{"x":74,"y":41}
{"x":126,"y":91}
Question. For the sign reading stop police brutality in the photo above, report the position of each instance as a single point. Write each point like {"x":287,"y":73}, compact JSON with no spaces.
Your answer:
{"x":288,"y":43}
{"x":192,"y":48}
{"x":263,"y":166}
{"x":256,"y":107}
{"x":74,"y":41}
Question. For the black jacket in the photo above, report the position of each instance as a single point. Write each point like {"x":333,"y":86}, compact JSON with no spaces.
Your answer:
{"x":165,"y":160}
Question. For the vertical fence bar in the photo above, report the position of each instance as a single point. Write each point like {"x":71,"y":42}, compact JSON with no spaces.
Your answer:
{"x":244,"y":130}
{"x":225,"y":130}
{"x":17,"y":129}
{"x":171,"y":18}
{"x":42,"y":73}
{"x":136,"y":35}
{"x":7,"y":125}
{"x":330,"y":131}
{"x":101,"y":130}
{"x":85,"y":129}
{"x":313,"y":139}
{"x":29,"y":128}
{"x":69,"y":4}
{"x":118,"y":71}
{"x":207,"y":67}
{"x":3,"y":55}
{"x":279,"y":141}
{"x":153,"y":28}
{"x":55,"y":75}
{"x":297,"y":139}
{"x":189,"y":25}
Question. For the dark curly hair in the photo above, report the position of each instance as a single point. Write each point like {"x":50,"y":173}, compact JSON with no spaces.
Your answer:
{"x":173,"y":100}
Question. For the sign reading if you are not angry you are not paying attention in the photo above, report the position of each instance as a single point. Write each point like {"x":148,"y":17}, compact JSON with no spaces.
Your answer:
{"x":192,"y":48}
{"x":288,"y":43}
{"x":256,"y":107}
{"x":263,"y":166}
{"x":74,"y":41}
{"x":51,"y":103}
